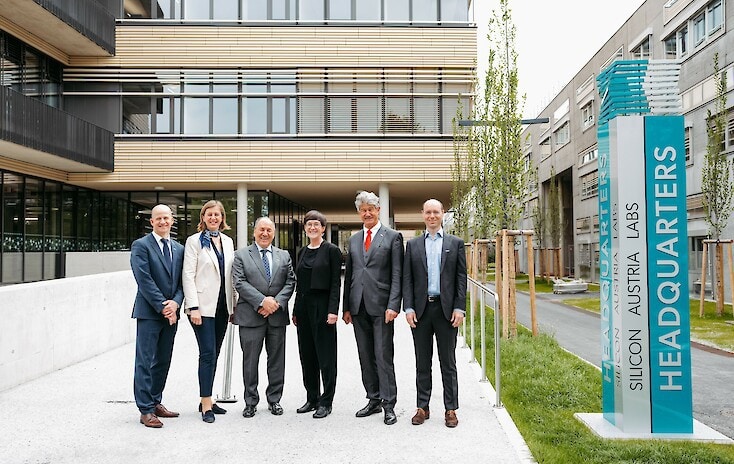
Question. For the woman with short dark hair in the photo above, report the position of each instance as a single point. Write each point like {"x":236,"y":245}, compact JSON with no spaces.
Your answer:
{"x":315,"y":313}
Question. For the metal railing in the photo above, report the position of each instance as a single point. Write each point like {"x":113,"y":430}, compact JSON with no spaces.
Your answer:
{"x":479,"y":292}
{"x":33,"y":124}
{"x":88,"y":17}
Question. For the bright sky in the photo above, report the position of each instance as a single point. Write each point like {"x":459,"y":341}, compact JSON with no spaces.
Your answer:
{"x":554,"y":39}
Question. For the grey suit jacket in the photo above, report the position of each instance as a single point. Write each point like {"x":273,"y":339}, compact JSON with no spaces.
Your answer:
{"x":374,"y":276}
{"x":248,"y":276}
{"x":453,"y":275}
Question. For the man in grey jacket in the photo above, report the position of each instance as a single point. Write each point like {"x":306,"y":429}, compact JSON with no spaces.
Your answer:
{"x":372,"y":301}
{"x":264,"y":279}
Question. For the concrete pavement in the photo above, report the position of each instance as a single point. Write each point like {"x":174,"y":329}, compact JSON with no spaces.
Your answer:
{"x":85,"y":413}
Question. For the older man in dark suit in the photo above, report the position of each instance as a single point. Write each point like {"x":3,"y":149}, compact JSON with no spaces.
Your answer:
{"x":372,"y":301}
{"x":264,"y":278}
{"x":434,"y":298}
{"x":157,"y":262}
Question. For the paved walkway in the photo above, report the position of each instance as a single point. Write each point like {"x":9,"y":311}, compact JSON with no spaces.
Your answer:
{"x":85,"y":413}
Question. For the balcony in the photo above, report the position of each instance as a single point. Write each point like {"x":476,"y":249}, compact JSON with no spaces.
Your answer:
{"x":78,"y":28}
{"x":36,"y":133}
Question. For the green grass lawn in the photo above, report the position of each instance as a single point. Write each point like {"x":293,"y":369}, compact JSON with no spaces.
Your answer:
{"x":544,"y":385}
{"x":709,"y":329}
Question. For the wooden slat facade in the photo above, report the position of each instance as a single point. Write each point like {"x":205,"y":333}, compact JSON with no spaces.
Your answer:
{"x":262,"y":162}
{"x":266,"y":47}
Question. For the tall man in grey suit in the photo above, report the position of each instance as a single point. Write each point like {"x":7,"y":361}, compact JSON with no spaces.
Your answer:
{"x":372,"y":301}
{"x":157,"y":262}
{"x":264,"y":278}
{"x":434,"y":297}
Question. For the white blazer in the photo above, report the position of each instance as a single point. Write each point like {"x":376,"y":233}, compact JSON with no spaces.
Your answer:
{"x":201,"y":275}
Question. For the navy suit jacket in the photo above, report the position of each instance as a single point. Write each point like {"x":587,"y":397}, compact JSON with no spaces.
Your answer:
{"x":156,"y":283}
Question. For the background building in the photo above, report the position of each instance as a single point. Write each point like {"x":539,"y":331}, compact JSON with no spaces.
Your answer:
{"x":272,"y":106}
{"x":690,"y":31}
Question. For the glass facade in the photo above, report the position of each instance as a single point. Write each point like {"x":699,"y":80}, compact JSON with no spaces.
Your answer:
{"x":43,"y":219}
{"x":303,"y":11}
{"x":306,"y":101}
{"x":28,"y":71}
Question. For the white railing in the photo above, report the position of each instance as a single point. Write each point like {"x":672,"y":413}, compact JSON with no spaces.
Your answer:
{"x":479,"y":292}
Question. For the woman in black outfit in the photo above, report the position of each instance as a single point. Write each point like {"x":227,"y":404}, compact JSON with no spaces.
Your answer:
{"x":315,"y":312}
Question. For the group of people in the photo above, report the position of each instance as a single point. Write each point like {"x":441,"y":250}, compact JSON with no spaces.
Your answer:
{"x":251,"y":287}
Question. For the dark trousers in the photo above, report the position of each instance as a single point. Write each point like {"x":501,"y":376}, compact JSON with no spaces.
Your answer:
{"x":251,"y":342}
{"x":209,"y":336}
{"x":433,"y":323}
{"x":317,"y":349}
{"x":375,"y":348}
{"x":153,"y":351}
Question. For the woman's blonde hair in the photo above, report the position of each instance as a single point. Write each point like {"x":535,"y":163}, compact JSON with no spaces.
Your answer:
{"x":211,"y":204}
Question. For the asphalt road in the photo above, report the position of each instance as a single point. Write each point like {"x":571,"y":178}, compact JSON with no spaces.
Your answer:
{"x":577,"y":331}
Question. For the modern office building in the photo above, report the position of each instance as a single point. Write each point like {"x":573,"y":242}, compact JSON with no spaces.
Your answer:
{"x":272,"y":106}
{"x":690,"y":31}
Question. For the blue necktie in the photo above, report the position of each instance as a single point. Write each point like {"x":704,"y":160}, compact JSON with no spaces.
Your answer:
{"x":167,"y":254}
{"x":266,"y":263}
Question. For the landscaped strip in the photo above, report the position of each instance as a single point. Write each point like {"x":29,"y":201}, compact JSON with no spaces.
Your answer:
{"x":544,"y":385}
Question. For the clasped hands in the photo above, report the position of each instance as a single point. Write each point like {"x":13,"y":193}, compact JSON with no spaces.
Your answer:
{"x":269,"y":306}
{"x":169,"y":311}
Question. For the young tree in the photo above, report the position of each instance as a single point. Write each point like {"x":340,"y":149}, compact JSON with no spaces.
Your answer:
{"x":716,"y":184}
{"x":554,"y":222}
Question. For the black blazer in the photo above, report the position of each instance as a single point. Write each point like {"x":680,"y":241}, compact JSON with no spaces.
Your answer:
{"x":453,"y":275}
{"x":325,"y":275}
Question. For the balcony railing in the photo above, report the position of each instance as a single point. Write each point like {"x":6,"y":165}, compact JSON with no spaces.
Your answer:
{"x":88,"y":17}
{"x":30,"y":123}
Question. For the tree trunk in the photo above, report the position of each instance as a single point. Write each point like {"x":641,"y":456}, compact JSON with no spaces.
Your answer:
{"x":512,"y":291}
{"x":702,"y":290}
{"x":719,"y":278}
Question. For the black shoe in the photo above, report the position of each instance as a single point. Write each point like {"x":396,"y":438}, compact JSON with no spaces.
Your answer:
{"x":373,"y":407}
{"x":307,"y":407}
{"x":322,"y":412}
{"x":275,"y":409}
{"x":390,"y":417}
{"x":249,"y":411}
{"x":215,"y":409}
{"x":208,"y":416}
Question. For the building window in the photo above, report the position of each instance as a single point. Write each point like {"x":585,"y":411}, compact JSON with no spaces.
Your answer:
{"x":563,"y":135}
{"x":618,"y":55}
{"x":306,"y":11}
{"x":695,"y":253}
{"x":587,"y":115}
{"x":588,"y":156}
{"x":589,"y":185}
{"x":702,"y":27}
{"x":687,"y":144}
{"x":671,"y":48}
{"x":715,"y":16}
{"x":545,"y":147}
{"x":642,"y":52}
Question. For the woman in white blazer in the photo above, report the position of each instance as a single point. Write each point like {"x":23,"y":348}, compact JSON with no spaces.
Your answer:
{"x":208,"y":292}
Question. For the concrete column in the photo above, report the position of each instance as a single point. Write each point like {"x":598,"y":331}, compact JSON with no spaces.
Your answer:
{"x":242,"y":220}
{"x":385,"y":204}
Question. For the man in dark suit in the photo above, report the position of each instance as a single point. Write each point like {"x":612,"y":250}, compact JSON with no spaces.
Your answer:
{"x":263,"y":276}
{"x":372,"y":301}
{"x":434,"y":297}
{"x":156,"y":261}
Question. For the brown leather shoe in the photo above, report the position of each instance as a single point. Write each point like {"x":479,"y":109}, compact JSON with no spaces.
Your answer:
{"x":451,"y":419}
{"x":161,"y":411}
{"x":150,"y":420}
{"x":421,"y":415}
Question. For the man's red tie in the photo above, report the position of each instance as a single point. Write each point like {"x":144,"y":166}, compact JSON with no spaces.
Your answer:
{"x":368,"y":240}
